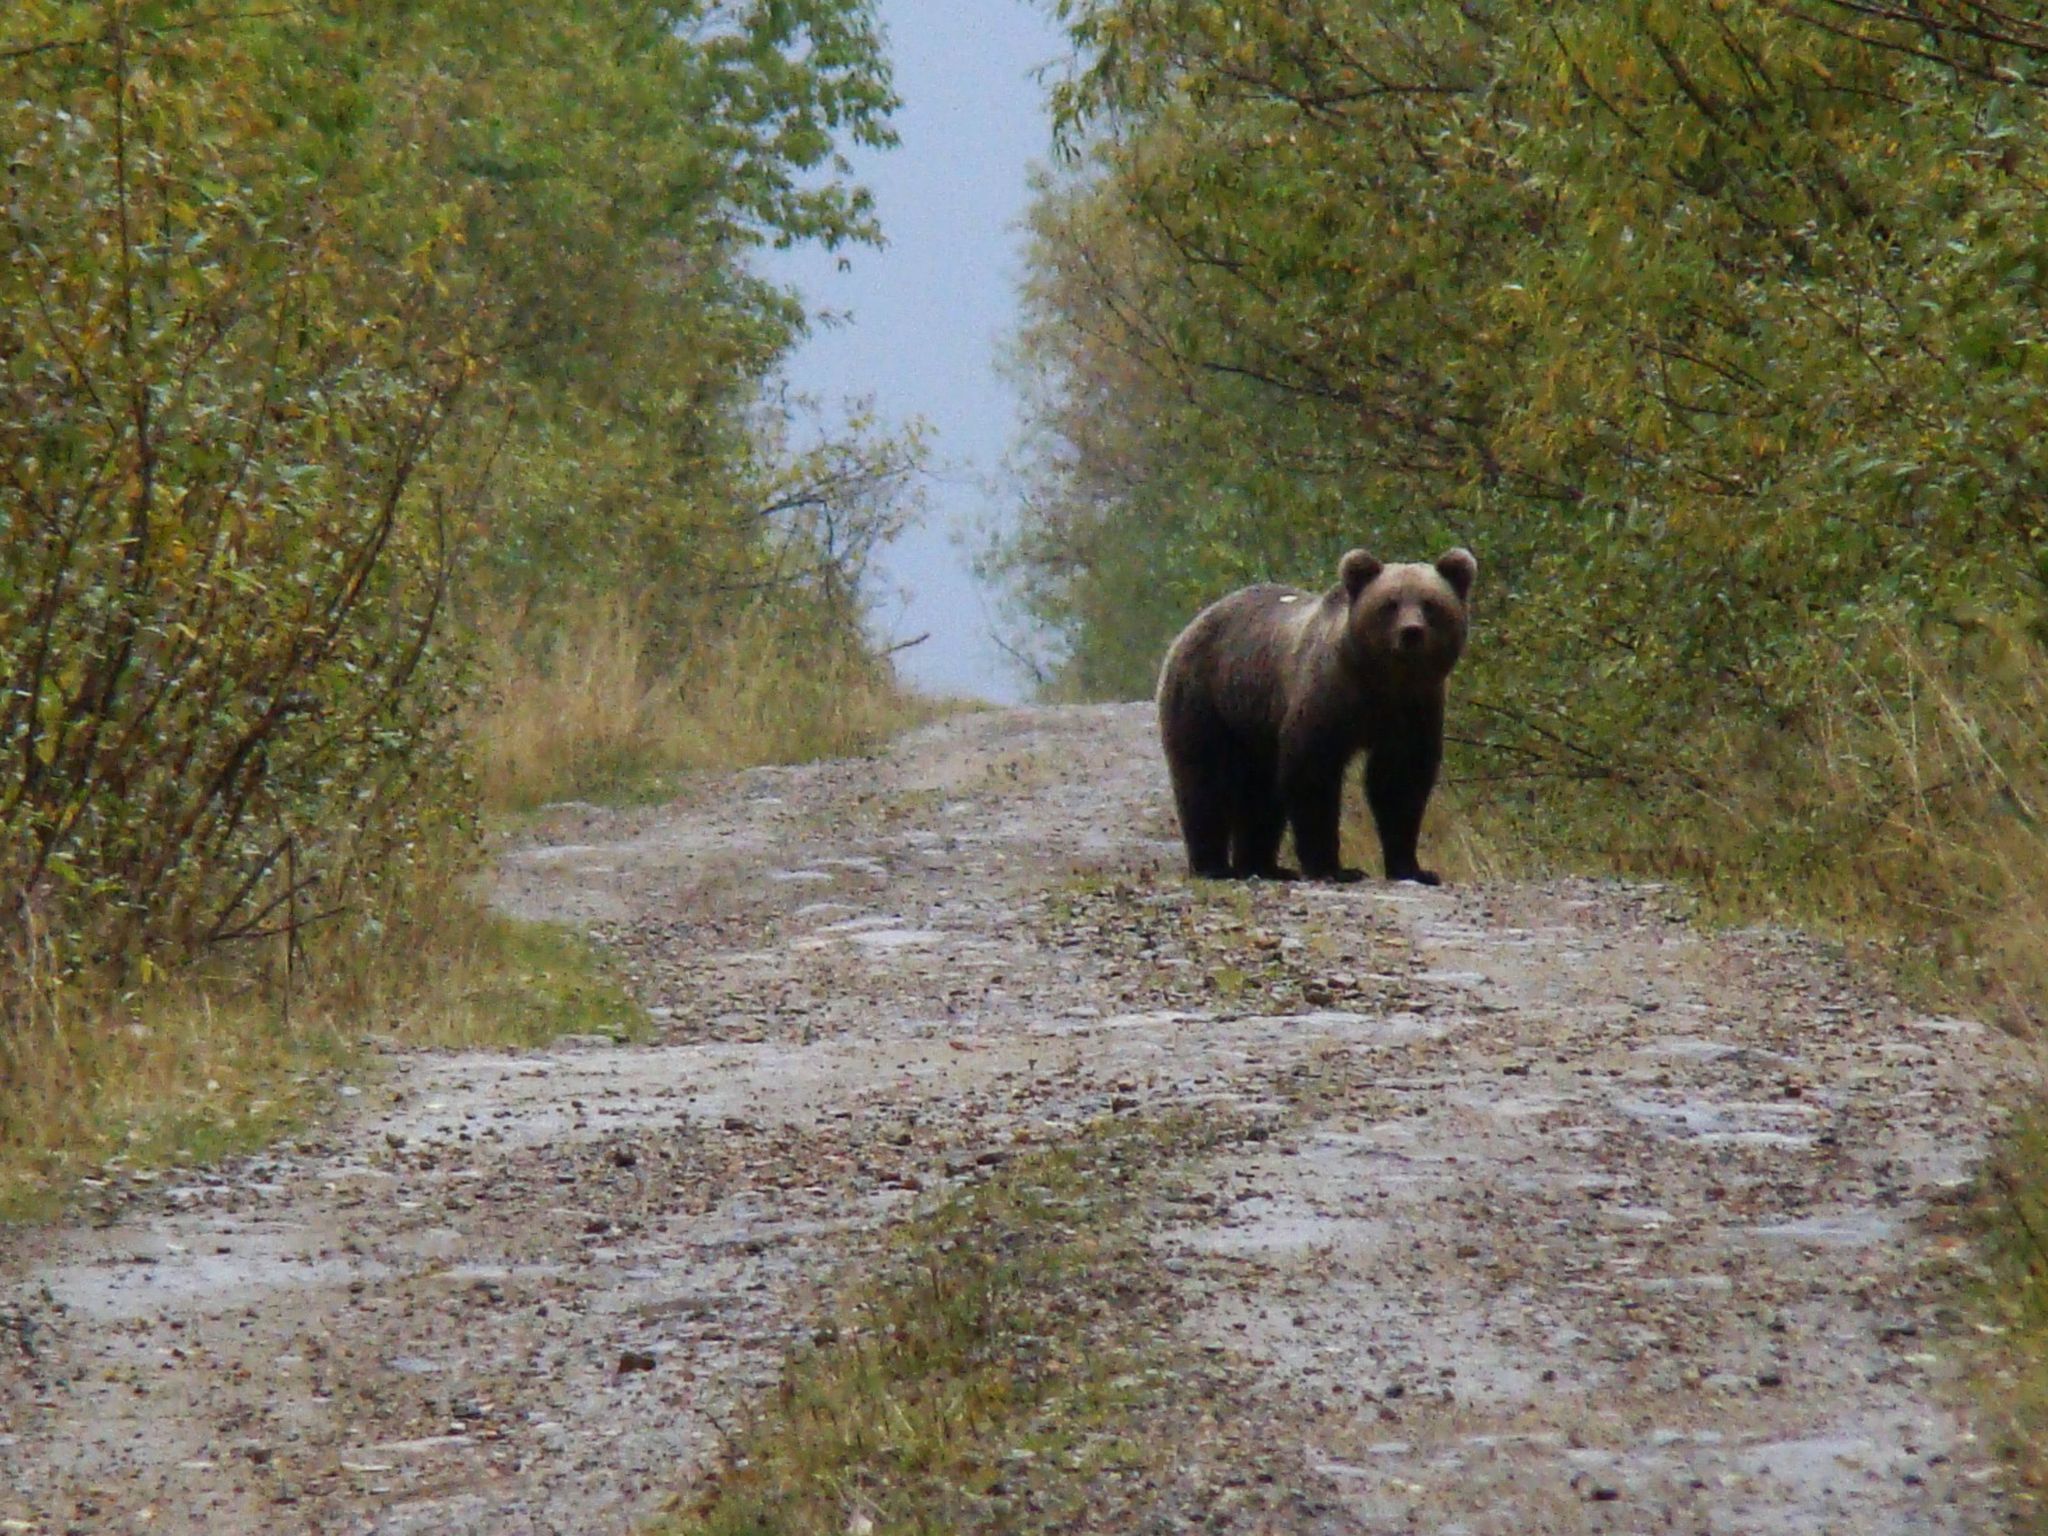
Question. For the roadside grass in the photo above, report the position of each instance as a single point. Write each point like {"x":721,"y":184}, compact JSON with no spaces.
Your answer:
{"x":1903,"y":812}
{"x":102,"y":1078}
{"x":1003,"y":1368}
{"x":100,"y":1081}
{"x":595,"y":714}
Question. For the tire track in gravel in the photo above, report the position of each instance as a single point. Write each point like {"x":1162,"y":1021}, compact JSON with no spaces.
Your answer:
{"x":1581,"y":1220}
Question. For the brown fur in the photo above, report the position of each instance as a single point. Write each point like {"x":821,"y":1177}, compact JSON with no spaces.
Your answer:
{"x":1268,"y":695}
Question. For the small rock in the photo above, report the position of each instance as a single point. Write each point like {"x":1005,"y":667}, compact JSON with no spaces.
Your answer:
{"x":635,"y":1360}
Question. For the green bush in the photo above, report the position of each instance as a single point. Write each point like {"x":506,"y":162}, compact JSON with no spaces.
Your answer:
{"x":229,"y":545}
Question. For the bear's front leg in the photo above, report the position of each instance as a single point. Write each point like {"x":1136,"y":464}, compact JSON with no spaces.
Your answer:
{"x":1398,"y":779}
{"x":1312,"y":787}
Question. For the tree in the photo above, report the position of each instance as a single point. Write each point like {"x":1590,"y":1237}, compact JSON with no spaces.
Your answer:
{"x":609,"y":165}
{"x":1637,"y":294}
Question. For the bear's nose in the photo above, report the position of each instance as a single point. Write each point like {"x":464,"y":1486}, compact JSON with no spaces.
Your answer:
{"x":1412,"y":637}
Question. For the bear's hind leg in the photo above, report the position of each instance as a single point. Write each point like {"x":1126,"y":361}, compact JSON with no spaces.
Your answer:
{"x":1258,"y":822}
{"x":1202,"y":797}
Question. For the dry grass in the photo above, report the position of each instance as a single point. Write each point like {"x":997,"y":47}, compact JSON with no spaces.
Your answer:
{"x":1908,"y":816}
{"x":592,"y":715}
{"x":98,"y":1080}
{"x":1905,"y":811}
{"x":1939,"y":795}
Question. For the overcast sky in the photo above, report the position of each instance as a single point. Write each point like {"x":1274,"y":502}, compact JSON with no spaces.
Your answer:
{"x":930,"y":311}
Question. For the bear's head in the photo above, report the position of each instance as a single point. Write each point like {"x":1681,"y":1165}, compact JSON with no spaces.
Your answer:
{"x":1408,"y":619}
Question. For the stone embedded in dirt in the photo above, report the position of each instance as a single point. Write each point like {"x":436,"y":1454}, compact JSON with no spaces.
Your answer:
{"x":631,"y":1360}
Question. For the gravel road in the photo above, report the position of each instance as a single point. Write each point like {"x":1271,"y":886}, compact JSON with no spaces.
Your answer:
{"x":1581,"y":1220}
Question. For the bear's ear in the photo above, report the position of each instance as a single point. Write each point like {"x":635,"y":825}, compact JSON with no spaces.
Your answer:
{"x":1460,"y":570}
{"x":1356,"y":570}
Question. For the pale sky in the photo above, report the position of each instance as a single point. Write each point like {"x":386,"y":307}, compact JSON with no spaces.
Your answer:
{"x":931,"y":310}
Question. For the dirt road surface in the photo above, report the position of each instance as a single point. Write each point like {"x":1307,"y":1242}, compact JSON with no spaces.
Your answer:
{"x":1582,"y":1220}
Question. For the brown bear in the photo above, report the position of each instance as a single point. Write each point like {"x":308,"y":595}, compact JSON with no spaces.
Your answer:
{"x":1269,"y":694}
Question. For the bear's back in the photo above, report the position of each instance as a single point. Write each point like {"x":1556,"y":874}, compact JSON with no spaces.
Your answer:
{"x":1239,"y":656}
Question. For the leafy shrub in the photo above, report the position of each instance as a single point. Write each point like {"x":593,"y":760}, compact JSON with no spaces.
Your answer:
{"x":228,"y":548}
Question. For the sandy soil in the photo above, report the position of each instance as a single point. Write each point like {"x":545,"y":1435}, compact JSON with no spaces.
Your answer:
{"x":1577,"y":1219}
